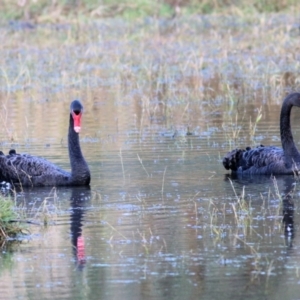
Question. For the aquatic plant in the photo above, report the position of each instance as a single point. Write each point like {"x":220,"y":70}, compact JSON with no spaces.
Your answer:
{"x":242,"y":210}
{"x":47,"y":210}
{"x":9,"y":226}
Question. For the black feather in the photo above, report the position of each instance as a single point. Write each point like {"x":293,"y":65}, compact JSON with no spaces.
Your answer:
{"x":269,"y":160}
{"x":28,"y":170}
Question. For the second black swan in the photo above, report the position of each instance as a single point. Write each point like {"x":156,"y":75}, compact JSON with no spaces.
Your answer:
{"x":28,"y":170}
{"x":269,"y":160}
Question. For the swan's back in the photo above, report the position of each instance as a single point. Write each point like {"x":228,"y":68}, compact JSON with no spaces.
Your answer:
{"x":28,"y":170}
{"x":257,"y":161}
{"x":270,"y":160}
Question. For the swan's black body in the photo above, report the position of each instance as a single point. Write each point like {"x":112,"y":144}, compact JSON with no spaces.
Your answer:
{"x":269,"y":160}
{"x":28,"y":170}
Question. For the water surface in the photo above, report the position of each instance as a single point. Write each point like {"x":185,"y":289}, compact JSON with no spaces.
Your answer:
{"x":160,"y":220}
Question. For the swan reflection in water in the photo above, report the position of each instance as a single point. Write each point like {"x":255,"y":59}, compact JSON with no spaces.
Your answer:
{"x":286,"y":187}
{"x":79,"y":201}
{"x":80,"y":198}
{"x":288,"y":212}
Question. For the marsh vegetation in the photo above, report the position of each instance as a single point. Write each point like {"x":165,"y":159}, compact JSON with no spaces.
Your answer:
{"x":167,"y":92}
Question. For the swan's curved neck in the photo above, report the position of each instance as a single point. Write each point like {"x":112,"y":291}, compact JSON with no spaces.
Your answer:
{"x":290,"y":150}
{"x":79,"y":168}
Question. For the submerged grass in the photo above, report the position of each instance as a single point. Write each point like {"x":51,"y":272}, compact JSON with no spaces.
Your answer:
{"x":46,"y":212}
{"x":236,"y":219}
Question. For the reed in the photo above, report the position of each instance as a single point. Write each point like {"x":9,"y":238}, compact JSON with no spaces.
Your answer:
{"x":47,"y":211}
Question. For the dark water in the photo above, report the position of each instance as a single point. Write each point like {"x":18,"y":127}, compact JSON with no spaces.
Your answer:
{"x":161,"y":219}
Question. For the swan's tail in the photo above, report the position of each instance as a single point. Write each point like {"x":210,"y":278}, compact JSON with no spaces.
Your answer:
{"x":233,"y":160}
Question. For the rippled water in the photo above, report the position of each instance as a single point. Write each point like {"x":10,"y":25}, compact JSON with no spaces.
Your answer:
{"x":161,"y":219}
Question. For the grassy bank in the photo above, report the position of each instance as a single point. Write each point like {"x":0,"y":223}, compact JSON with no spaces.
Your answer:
{"x":56,"y":11}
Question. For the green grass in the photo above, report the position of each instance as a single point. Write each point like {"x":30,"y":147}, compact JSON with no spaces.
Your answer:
{"x":9,"y":228}
{"x":57,"y":11}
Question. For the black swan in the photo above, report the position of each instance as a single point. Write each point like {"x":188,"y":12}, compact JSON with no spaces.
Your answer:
{"x":27,"y":170}
{"x":269,"y":160}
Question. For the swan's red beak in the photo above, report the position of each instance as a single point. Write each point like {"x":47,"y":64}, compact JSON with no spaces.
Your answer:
{"x":77,"y":121}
